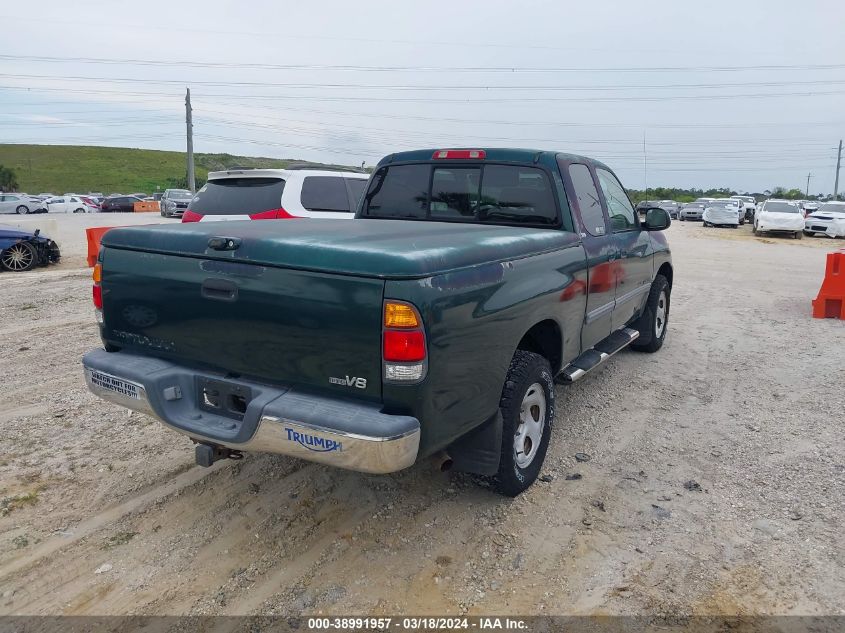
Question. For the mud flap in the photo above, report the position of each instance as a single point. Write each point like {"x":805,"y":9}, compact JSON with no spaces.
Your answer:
{"x":643,"y":326}
{"x":480,"y":450}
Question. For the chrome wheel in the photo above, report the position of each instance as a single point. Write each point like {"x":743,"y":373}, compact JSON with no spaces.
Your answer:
{"x":22,"y":210}
{"x":19,"y":256}
{"x":532,"y":420}
{"x":660,"y":315}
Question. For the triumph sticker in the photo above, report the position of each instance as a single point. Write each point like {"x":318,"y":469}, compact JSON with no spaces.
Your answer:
{"x":313,"y":443}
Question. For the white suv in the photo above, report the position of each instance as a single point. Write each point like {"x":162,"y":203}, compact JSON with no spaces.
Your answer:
{"x":269,"y":194}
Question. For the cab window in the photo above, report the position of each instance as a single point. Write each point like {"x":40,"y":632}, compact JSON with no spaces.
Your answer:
{"x":622,"y":215}
{"x":587,"y":197}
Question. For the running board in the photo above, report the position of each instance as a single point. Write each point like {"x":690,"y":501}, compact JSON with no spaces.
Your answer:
{"x":592,"y":358}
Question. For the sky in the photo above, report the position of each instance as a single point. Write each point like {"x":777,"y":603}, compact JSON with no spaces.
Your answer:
{"x":744,"y":94}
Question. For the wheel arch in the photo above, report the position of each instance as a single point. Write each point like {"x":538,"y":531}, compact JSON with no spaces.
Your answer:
{"x":666,"y":270}
{"x":546,"y":339}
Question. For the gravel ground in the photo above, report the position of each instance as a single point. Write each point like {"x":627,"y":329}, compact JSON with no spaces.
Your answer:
{"x":712,"y":480}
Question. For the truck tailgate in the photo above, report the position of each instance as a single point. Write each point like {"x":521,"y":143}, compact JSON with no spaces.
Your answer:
{"x":275,"y":324}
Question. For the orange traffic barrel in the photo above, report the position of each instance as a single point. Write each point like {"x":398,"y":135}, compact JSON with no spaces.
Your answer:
{"x":94,"y":235}
{"x":830,"y":304}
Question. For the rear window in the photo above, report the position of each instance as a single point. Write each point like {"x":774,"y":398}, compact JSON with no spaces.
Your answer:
{"x":238,"y":196}
{"x":356,"y":188}
{"x":781,"y":207}
{"x":503,"y":194}
{"x":325,"y":193}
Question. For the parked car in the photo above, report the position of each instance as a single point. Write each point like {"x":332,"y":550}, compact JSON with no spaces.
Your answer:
{"x":433,"y":322}
{"x":671,"y":207}
{"x":749,"y":207}
{"x":830,"y":215}
{"x":266,"y":194}
{"x":68,"y":204}
{"x":174,"y":202}
{"x":723,"y":212}
{"x":779,"y":216}
{"x":808,"y":206}
{"x":22,"y":250}
{"x":20,"y":203}
{"x":125,"y":204}
{"x":691,"y":211}
{"x":645,"y":205}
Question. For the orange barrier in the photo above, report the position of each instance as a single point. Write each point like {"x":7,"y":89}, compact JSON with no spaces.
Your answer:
{"x":146,"y":206}
{"x":830,"y":304}
{"x":94,"y":235}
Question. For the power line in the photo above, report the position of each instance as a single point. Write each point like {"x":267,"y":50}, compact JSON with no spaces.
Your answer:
{"x":466,"y":101}
{"x":438,"y":69}
{"x":426,"y":87}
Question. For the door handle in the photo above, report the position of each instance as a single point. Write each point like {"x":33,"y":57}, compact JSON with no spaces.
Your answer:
{"x":219,"y":289}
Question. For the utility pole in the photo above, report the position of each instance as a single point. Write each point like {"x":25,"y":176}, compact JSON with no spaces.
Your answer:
{"x":192,"y":183}
{"x":645,"y":167}
{"x":808,"y":185}
{"x":838,"y":163}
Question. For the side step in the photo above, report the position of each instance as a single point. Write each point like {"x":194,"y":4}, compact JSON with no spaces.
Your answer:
{"x":592,"y":358}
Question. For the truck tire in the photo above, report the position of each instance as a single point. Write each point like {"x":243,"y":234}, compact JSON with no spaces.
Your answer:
{"x":528,"y":409}
{"x":654,"y":322}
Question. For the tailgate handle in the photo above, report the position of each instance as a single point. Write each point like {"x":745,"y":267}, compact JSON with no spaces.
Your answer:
{"x":220,"y":289}
{"x":224,"y":243}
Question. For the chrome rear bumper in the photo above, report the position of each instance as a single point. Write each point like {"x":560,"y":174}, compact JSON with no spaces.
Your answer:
{"x":339,"y":433}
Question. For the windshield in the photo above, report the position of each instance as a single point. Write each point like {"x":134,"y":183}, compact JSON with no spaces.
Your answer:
{"x":238,"y":196}
{"x":839,"y":207}
{"x":489,"y":193}
{"x":780,"y":207}
{"x":182,"y":193}
{"x":723,"y":204}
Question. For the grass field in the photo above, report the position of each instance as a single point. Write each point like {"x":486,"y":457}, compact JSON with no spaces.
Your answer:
{"x":79,"y":168}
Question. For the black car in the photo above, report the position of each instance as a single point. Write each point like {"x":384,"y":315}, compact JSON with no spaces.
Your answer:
{"x":116,"y":204}
{"x":22,"y":250}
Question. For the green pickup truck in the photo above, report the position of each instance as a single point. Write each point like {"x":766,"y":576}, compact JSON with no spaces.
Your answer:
{"x":434,"y":323}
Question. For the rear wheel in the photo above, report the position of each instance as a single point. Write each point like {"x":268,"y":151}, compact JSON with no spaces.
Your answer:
{"x":19,"y":257}
{"x":79,"y":210}
{"x":22,"y":210}
{"x":798,"y":235}
{"x":528,"y":408}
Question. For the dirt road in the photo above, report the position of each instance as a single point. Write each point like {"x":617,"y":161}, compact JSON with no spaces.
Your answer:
{"x":714,"y":480}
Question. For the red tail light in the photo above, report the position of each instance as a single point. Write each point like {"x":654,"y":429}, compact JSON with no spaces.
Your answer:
{"x":98,"y":296}
{"x":404,"y":346}
{"x":404,"y":350}
{"x":272,"y":214}
{"x":190,"y":216}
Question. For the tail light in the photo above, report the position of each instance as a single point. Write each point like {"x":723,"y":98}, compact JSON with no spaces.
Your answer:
{"x":97,"y":292}
{"x":272,"y":214}
{"x":404,"y":352}
{"x":190,"y":216}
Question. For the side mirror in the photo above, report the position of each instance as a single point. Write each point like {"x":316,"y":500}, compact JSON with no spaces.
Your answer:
{"x":656,"y":219}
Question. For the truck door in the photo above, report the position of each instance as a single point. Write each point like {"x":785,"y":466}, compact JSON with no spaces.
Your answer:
{"x":601,"y":249}
{"x":636,"y":262}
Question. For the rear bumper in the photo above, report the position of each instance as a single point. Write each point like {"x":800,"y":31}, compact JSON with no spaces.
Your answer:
{"x":345,"y":434}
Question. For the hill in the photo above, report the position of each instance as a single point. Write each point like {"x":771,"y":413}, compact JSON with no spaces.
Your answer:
{"x":81,"y":168}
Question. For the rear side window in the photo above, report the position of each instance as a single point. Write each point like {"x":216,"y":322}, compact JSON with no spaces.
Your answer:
{"x":238,"y":196}
{"x":516,"y":194}
{"x":587,"y":196}
{"x":325,"y":193}
{"x":400,"y":191}
{"x":497,"y":194}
